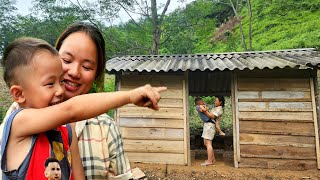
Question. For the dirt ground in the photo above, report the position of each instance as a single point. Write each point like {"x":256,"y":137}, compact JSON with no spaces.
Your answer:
{"x":222,"y":169}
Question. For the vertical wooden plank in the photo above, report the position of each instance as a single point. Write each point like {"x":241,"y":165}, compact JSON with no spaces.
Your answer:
{"x":317,"y":101}
{"x":187,"y":154}
{"x":315,"y":122}
{"x":117,"y":88}
{"x":233,"y":105}
{"x":237,"y":115}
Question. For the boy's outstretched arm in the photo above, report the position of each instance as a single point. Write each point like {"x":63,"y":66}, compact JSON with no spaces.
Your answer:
{"x":34,"y":121}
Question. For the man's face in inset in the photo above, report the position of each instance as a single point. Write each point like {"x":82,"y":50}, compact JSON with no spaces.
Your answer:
{"x":53,"y":171}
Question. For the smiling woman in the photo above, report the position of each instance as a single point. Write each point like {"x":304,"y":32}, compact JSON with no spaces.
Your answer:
{"x":82,"y":50}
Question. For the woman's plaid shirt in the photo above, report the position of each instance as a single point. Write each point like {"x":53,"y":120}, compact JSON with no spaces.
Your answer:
{"x":101,"y":149}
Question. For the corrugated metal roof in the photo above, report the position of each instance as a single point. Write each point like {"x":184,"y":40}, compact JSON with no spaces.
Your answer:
{"x":294,"y":58}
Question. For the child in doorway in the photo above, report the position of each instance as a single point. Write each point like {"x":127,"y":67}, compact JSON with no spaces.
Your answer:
{"x":34,"y":75}
{"x":214,"y":115}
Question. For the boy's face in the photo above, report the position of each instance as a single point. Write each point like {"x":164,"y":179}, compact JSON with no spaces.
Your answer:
{"x":42,"y":83}
{"x":53,"y":171}
{"x":201,"y":102}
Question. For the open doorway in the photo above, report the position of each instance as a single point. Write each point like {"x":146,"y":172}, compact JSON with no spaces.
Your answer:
{"x":207,"y":85}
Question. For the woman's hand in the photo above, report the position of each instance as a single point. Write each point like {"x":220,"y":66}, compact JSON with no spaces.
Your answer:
{"x":203,"y":108}
{"x":146,"y":96}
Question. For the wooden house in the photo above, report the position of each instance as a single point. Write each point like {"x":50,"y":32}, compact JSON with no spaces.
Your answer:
{"x":274,"y":101}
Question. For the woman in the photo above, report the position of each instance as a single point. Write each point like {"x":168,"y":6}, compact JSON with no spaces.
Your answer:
{"x":209,"y":130}
{"x":82,"y":50}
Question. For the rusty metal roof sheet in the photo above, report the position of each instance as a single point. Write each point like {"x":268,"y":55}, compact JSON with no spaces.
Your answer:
{"x":293,"y":58}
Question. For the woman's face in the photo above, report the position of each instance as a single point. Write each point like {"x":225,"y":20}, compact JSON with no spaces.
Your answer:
{"x":79,"y":57}
{"x":217,"y":102}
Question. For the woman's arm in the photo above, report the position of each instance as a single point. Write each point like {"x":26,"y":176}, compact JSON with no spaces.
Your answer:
{"x":34,"y":121}
{"x":210,"y":115}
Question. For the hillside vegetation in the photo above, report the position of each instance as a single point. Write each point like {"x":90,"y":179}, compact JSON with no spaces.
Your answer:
{"x":281,"y":24}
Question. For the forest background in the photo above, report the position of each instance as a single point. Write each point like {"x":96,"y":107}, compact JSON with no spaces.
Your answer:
{"x":203,"y":26}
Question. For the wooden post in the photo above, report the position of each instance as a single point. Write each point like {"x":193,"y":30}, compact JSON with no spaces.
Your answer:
{"x":234,"y":97}
{"x":186,"y":117}
{"x":316,"y":112}
{"x":117,"y":88}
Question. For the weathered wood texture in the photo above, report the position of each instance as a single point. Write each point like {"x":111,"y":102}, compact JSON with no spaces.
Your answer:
{"x":291,"y":164}
{"x":276,"y":120}
{"x":156,"y":136}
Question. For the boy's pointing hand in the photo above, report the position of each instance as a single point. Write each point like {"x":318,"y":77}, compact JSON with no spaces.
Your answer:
{"x":146,"y":96}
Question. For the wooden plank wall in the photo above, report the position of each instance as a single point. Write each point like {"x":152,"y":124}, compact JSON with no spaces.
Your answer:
{"x":156,"y":136}
{"x":276,"y":120}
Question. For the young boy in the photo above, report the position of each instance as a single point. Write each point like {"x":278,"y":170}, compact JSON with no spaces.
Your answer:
{"x":33,"y":73}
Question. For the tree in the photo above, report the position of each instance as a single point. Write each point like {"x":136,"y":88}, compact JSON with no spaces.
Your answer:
{"x":235,"y":5}
{"x":7,"y":22}
{"x":147,"y":11}
{"x":250,"y":24}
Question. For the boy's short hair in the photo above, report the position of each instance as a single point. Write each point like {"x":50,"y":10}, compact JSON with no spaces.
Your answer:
{"x":50,"y":160}
{"x":196,"y":100}
{"x":20,"y":53}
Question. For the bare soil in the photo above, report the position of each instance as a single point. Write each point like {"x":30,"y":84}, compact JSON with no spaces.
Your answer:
{"x":222,"y":169}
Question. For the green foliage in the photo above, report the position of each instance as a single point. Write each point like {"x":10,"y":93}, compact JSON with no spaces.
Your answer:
{"x":282,"y":24}
{"x":128,"y":39}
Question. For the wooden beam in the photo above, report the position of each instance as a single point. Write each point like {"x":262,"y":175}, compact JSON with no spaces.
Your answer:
{"x":274,"y":96}
{"x":162,"y":158}
{"x":233,"y":105}
{"x":152,"y":133}
{"x":117,"y":88}
{"x":276,"y":140}
{"x":278,"y":163}
{"x":236,"y":80}
{"x":152,"y":123}
{"x":153,"y":146}
{"x":275,"y":106}
{"x":143,"y":112}
{"x":273,"y":84}
{"x":280,"y":128}
{"x":316,"y":130}
{"x":278,"y":152}
{"x":277,"y":116}
{"x":186,"y":119}
{"x":155,"y":80}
